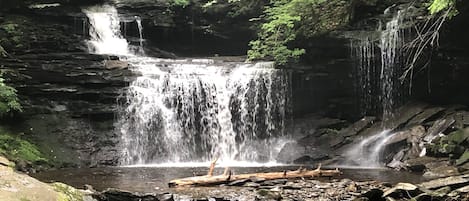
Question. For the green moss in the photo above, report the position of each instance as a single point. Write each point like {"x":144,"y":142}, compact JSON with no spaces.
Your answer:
{"x":17,"y":149}
{"x":263,"y":192}
{"x":67,"y":193}
{"x":459,"y":137}
{"x":464,"y":158}
{"x":452,"y":145}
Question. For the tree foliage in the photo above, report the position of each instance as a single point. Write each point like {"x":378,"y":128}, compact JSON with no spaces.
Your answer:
{"x":437,"y":6}
{"x":9,"y":102}
{"x":276,"y":33}
{"x":287,"y":20}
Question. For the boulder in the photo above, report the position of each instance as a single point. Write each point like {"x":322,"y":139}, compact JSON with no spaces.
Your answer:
{"x":405,"y":112}
{"x":374,"y":194}
{"x":460,"y":137}
{"x":416,"y":131}
{"x":424,"y":116}
{"x":442,"y":171}
{"x":463,"y":159}
{"x":419,"y":164}
{"x":460,"y":180}
{"x":357,"y":127}
{"x":406,"y":187}
{"x":464,"y":189}
{"x":438,"y":127}
{"x":5,"y":162}
{"x":115,"y":64}
{"x":120,"y":195}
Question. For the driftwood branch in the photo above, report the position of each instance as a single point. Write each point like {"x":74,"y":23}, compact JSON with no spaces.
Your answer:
{"x":212,"y":167}
{"x":228,"y":177}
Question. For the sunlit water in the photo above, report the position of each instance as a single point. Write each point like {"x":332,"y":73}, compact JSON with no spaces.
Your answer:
{"x":193,"y":110}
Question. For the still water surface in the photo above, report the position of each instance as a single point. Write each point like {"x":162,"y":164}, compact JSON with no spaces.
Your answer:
{"x":155,"y":179}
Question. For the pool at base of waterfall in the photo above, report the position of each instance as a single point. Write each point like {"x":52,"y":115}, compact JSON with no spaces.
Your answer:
{"x":155,"y":179}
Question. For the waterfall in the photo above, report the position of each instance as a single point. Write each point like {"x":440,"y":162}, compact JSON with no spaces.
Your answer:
{"x":365,"y":70}
{"x":193,"y":110}
{"x":186,"y":112}
{"x":377,"y":69}
{"x":368,"y":151}
{"x":104,"y":30}
{"x":391,"y":43}
{"x":140,"y":34}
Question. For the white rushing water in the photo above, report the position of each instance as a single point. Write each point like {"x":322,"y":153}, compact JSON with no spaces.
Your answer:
{"x":365,"y":69}
{"x":193,"y":110}
{"x":368,"y":152}
{"x":391,"y":44}
{"x":105,"y":33}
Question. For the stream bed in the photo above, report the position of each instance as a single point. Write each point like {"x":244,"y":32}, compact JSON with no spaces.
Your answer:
{"x":155,"y":179}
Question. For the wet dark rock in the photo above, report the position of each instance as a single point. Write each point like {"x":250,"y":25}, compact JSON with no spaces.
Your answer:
{"x":420,"y":164}
{"x":165,"y":197}
{"x":119,"y":195}
{"x":405,"y":112}
{"x":424,"y":116}
{"x":238,"y":182}
{"x":374,"y":194}
{"x":274,"y":182}
{"x":357,"y":127}
{"x":294,"y":152}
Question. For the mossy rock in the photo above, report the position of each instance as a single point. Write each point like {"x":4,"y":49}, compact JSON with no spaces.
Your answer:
{"x":442,"y":147}
{"x":459,"y":137}
{"x":67,"y":193}
{"x":21,"y":151}
{"x":463,"y":159}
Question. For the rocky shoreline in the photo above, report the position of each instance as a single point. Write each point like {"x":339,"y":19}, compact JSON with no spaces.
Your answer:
{"x":322,"y":189}
{"x":432,"y":140}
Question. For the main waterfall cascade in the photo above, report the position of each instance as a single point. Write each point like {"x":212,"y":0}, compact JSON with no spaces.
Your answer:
{"x":385,"y":91}
{"x":193,"y":110}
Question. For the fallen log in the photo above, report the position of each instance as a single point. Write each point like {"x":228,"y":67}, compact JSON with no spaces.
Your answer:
{"x":207,"y":180}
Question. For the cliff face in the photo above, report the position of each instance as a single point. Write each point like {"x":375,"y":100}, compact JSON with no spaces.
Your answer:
{"x":68,"y":95}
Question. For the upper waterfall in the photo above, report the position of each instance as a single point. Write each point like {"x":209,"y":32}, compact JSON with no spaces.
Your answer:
{"x":193,"y":110}
{"x":105,"y":31}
